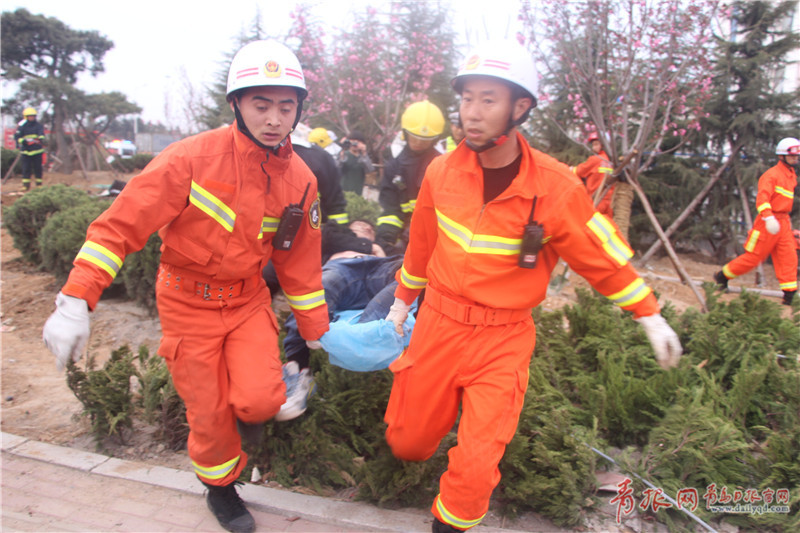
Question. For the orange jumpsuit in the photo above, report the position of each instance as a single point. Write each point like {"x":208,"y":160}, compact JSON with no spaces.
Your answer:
{"x":775,"y":197}
{"x":594,"y":171}
{"x":474,"y":334}
{"x":216,"y":199}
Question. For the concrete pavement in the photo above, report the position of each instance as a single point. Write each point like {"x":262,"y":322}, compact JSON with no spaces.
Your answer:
{"x":53,"y":488}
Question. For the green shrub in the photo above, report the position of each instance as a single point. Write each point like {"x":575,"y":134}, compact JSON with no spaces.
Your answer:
{"x":106,"y":393}
{"x":64,"y":234}
{"x":131,"y":164}
{"x":7,"y":157}
{"x":26,"y":217}
{"x":139,"y":273}
{"x":359,"y":208}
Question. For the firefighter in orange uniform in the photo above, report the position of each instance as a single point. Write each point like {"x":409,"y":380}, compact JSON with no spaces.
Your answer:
{"x":595,"y":173}
{"x":491,"y":221}
{"x":772,"y":230}
{"x":225,"y":202}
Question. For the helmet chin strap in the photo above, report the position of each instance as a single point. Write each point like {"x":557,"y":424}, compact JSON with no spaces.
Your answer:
{"x":243,"y":128}
{"x":495,"y":141}
{"x":502,"y":138}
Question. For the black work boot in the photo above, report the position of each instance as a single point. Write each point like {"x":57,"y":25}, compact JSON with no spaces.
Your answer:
{"x":721,"y":280}
{"x":440,"y":527}
{"x":250,"y":433}
{"x":787,"y":297}
{"x":229,"y":508}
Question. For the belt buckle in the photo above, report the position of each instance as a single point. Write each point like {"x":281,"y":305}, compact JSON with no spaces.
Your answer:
{"x":206,"y":291}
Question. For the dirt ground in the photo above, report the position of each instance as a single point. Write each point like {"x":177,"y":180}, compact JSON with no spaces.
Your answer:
{"x":36,"y":402}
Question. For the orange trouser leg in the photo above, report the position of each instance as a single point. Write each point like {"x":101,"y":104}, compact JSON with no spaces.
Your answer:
{"x":784,"y":256}
{"x":225,"y":363}
{"x":485,"y":368}
{"x":757,"y":248}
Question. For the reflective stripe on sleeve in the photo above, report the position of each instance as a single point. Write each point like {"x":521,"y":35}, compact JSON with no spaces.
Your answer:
{"x":632,"y":294}
{"x":340,"y":218}
{"x":765,"y":205}
{"x":390,"y":220}
{"x":100,"y":256}
{"x":784,"y":192}
{"x":212,"y":206}
{"x":216,"y":472}
{"x":412,"y":282}
{"x":268,"y":225}
{"x":452,"y":519}
{"x":304,"y":302}
{"x":614,"y":246}
{"x":408,"y":207}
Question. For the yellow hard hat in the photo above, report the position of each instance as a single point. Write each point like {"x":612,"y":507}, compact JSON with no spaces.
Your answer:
{"x":29,"y":111}
{"x":423,"y":119}
{"x":320,"y":137}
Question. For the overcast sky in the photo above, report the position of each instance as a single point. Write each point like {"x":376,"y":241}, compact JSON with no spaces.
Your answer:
{"x":159,"y":45}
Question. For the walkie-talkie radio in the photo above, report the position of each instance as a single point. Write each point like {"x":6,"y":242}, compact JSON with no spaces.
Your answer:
{"x":290,"y":222}
{"x":531,"y":241}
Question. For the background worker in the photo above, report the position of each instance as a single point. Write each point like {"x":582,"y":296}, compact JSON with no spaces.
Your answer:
{"x":324,"y":139}
{"x":354,"y":163}
{"x":30,"y":142}
{"x":491,"y":221}
{"x":456,"y":132}
{"x":595,"y":173}
{"x":772,"y":229}
{"x":422,"y":124}
{"x":222,"y":200}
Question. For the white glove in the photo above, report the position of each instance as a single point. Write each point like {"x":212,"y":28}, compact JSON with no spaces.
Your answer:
{"x":773,"y":226}
{"x":398,"y":313}
{"x":664,"y":340}
{"x":66,"y":332}
{"x":314,"y":345}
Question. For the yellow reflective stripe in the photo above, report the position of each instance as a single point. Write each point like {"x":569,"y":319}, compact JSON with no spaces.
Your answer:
{"x":216,"y":472}
{"x":408,"y":206}
{"x":480,"y":244}
{"x":212,"y":206}
{"x":765,"y":205}
{"x":101,"y":256}
{"x":785,"y":192}
{"x":790,"y":286}
{"x":410,"y":281}
{"x":605,"y":170}
{"x":453,"y":520}
{"x":632,"y":294}
{"x":340,"y":218}
{"x":727,"y":271}
{"x":614,"y":246}
{"x":268,"y":225}
{"x":750,"y":245}
{"x":306,"y":301}
{"x":391,"y":220}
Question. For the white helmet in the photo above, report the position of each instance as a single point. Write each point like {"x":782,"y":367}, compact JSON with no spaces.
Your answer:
{"x":788,"y":146}
{"x":504,"y":59}
{"x":266,"y":63}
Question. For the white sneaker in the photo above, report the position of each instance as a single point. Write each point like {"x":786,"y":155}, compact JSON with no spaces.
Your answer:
{"x":300,"y":387}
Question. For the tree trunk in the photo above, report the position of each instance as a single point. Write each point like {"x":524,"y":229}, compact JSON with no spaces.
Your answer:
{"x":689,"y":208}
{"x":621,"y":204}
{"x":670,"y":251}
{"x":64,"y":148}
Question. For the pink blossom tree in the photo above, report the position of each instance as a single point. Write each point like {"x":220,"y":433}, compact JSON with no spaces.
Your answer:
{"x":636,"y":71}
{"x":372,"y":70}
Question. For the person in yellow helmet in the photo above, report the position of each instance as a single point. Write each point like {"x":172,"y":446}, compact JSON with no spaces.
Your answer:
{"x":423,"y":125}
{"x":30,"y":141}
